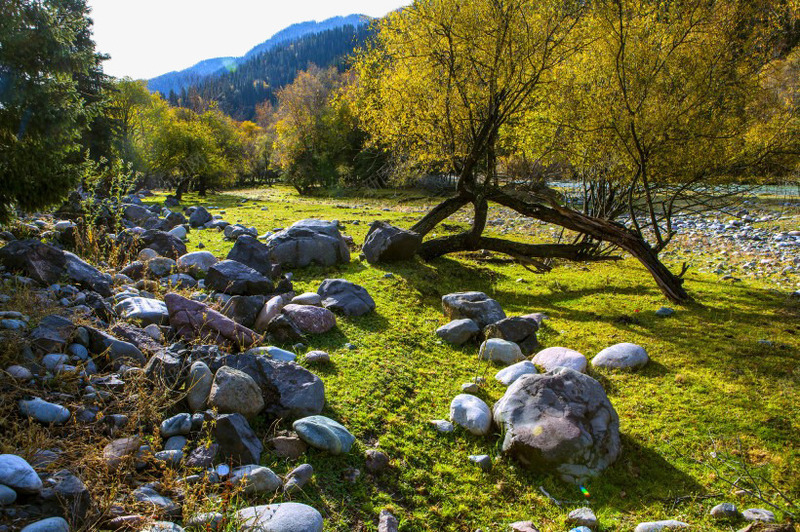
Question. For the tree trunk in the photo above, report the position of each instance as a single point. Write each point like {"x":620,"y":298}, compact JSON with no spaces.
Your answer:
{"x":183,"y":185}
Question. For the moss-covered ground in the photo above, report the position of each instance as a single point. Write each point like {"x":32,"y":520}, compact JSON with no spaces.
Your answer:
{"x":725,"y":375}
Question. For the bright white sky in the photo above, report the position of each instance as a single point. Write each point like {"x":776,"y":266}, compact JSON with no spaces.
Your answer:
{"x":146,"y":38}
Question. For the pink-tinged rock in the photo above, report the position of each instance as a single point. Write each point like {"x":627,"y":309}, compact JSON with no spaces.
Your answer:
{"x":311,"y":319}
{"x":194,"y":320}
{"x":555,"y":357}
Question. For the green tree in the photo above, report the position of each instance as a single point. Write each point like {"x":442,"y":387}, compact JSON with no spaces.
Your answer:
{"x":46,"y":58}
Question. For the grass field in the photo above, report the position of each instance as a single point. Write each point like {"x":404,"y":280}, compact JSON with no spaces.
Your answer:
{"x":724,"y":372}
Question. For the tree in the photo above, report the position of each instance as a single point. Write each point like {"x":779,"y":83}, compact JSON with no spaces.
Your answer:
{"x":47,"y":68}
{"x":457,"y":85}
{"x":126,"y":110}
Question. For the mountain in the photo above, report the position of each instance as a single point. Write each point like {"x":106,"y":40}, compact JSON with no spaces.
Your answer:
{"x":178,"y":80}
{"x":238,"y":91}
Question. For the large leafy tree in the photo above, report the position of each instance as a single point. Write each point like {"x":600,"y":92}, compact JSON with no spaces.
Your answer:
{"x":50,"y":79}
{"x":457,"y":85}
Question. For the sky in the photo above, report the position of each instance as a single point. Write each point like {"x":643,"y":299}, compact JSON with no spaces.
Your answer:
{"x":146,"y":38}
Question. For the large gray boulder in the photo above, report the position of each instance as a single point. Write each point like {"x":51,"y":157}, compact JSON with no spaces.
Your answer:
{"x":559,"y":422}
{"x":387,"y":243}
{"x":518,"y":329}
{"x":621,"y":356}
{"x":310,"y":319}
{"x":41,"y":262}
{"x":196,"y":263}
{"x":284,"y":517}
{"x":309,"y":242}
{"x":289,"y":390}
{"x":235,"y":392}
{"x":235,"y":278}
{"x":18,"y":474}
{"x":476,"y":306}
{"x":86,"y":275}
{"x":195,"y":321}
{"x":200,"y":217}
{"x":163,"y":243}
{"x":251,"y":252}
{"x":350,"y":299}
{"x":458,"y":332}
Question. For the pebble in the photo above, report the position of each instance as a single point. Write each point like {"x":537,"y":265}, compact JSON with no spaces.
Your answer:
{"x":298,"y":478}
{"x":255,"y":479}
{"x":758,"y":514}
{"x":656,"y":526}
{"x":726,"y":510}
{"x":582,"y":517}
{"x":317,"y":357}
{"x":484,"y":461}
{"x":665,"y":312}
{"x":442,"y":425}
{"x":7,"y":495}
{"x":20,"y":373}
{"x":43,"y":411}
{"x":387,"y":522}
{"x":180,"y":424}
{"x":470,"y":387}
{"x":376,"y":461}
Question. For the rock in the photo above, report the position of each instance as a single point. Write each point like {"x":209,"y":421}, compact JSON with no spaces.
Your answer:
{"x":206,"y":521}
{"x":162,"y":526}
{"x":519,"y":329}
{"x":458,"y":332}
{"x":655,"y":526}
{"x":471,"y":413}
{"x":317,"y":357}
{"x":556,"y":357}
{"x":53,"y":361}
{"x":244,"y":310}
{"x":271,"y":309}
{"x":158,"y":502}
{"x":387,"y":522}
{"x":310,"y":319}
{"x":621,"y":356}
{"x":476,"y":306}
{"x":200,"y":217}
{"x":298,"y":478}
{"x":284,"y":517}
{"x":307,"y":242}
{"x":154,"y":332}
{"x":41,"y":262}
{"x":198,"y":386}
{"x":502,"y":351}
{"x":274,"y":353}
{"x":580,"y":529}
{"x":234,"y":278}
{"x":159,"y":267}
{"x":19,"y":373}
{"x":484,"y":461}
{"x":442,"y":425}
{"x":765,"y":527}
{"x":523,"y":526}
{"x":725,"y":510}
{"x":65,"y":493}
{"x":376,"y":461}
{"x":507,"y":376}
{"x":250,"y":252}
{"x":52,"y":334}
{"x":85,"y":275}
{"x":559,"y":422}
{"x":289,"y":390}
{"x":44,"y":412}
{"x":758,"y":514}
{"x":116,"y":451}
{"x":255,"y":479}
{"x":51,"y":524}
{"x":134,"y":270}
{"x":118,"y":351}
{"x":143,"y":310}
{"x":179,"y":232}
{"x":235,"y":392}
{"x":470,"y":387}
{"x":283,"y":330}
{"x":179,"y":424}
{"x":195,"y":321}
{"x":7,"y":495}
{"x":324,"y":433}
{"x":307,"y":298}
{"x":175,"y":443}
{"x":386,"y":243}
{"x":136,"y":213}
{"x":164,"y":244}
{"x":203,"y":456}
{"x":237,"y":440}
{"x":170,"y":458}
{"x":288,"y":447}
{"x":18,"y":474}
{"x":582,"y":517}
{"x":196,"y":263}
{"x":345,"y":297}
{"x":665,"y":312}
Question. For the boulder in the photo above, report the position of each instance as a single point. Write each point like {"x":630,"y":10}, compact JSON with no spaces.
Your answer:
{"x":555,"y":357}
{"x":18,"y":474}
{"x":250,"y":252}
{"x":458,"y":332}
{"x":136,"y":214}
{"x":234,"y":278}
{"x":163,"y":243}
{"x":476,"y":306}
{"x":284,"y":517}
{"x":507,"y":376}
{"x":560,"y":422}
{"x":159,"y":267}
{"x":308,"y":242}
{"x":471,"y":413}
{"x":196,"y":263}
{"x":345,"y":297}
{"x":235,"y":392}
{"x":502,"y":351}
{"x":193,"y":320}
{"x":518,"y":329}
{"x":283,"y":330}
{"x":143,"y":310}
{"x":236,"y":439}
{"x":310,"y":319}
{"x":198,"y":386}
{"x":200,"y":217}
{"x":52,"y":334}
{"x":244,"y":309}
{"x":387,"y":243}
{"x":289,"y":390}
{"x":43,"y":411}
{"x":621,"y":356}
{"x":85,"y":275}
{"x":255,"y":479}
{"x":271,"y":309}
{"x":41,"y":262}
{"x":324,"y":433}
